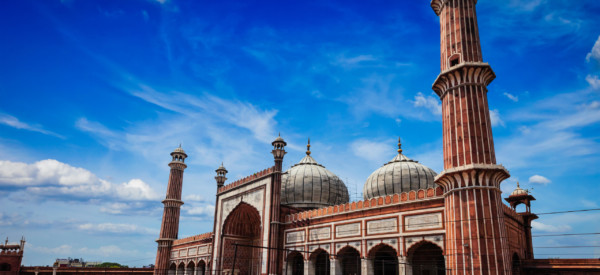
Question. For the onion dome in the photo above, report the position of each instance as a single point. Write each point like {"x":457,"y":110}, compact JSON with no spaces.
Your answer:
{"x":399,"y":175}
{"x":308,"y":185}
{"x":518,"y":191}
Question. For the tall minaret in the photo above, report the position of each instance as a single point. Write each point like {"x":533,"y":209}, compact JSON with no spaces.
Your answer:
{"x":476,"y":235}
{"x":170,"y":221}
{"x":278,"y":153}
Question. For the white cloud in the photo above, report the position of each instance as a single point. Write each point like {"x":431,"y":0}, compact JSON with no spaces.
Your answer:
{"x":431,"y":103}
{"x":495,"y":118}
{"x":593,"y":80}
{"x":539,"y":179}
{"x":538,"y":226}
{"x":512,"y":97}
{"x":372,"y":150}
{"x":53,"y":178}
{"x":106,"y":251}
{"x":16,"y":123}
{"x":204,"y":210}
{"x":594,"y":54}
{"x":62,"y":250}
{"x":194,"y":197}
{"x":116,"y":228}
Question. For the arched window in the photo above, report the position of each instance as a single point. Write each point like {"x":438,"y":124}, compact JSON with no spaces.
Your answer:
{"x":427,"y":258}
{"x":349,"y":259}
{"x":320,"y":262}
{"x":295,"y":264}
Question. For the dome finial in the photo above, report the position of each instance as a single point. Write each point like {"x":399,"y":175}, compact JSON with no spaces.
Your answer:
{"x":308,"y":148}
{"x":518,"y":186}
{"x":399,"y":146}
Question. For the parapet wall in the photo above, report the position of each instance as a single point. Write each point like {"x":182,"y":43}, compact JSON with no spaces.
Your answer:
{"x":245,"y":180}
{"x":405,"y":197}
{"x":195,"y":238}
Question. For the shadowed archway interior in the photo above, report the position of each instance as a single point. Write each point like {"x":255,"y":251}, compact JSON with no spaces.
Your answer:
{"x":384,"y":259}
{"x":427,"y":259}
{"x":349,"y":259}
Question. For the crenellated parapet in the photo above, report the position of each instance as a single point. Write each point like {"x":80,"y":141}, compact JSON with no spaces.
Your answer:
{"x":467,"y":73}
{"x":245,"y":180}
{"x":384,"y":201}
{"x":196,"y":238}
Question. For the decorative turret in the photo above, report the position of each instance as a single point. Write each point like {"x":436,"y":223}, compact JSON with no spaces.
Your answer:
{"x":172,"y":206}
{"x":522,"y":196}
{"x":278,"y":150}
{"x":221,"y":172}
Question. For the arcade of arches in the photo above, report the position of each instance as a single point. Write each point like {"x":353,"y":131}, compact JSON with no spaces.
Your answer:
{"x":423,"y":258}
{"x":190,"y":269}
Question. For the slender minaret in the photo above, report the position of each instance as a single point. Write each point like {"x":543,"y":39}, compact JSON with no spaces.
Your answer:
{"x":221,"y":173}
{"x":170,"y":220}
{"x":278,"y":153}
{"x":475,"y":230}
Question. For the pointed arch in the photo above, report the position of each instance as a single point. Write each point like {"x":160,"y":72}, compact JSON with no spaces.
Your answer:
{"x":384,"y":259}
{"x":426,"y":257}
{"x":242,"y":229}
{"x":295,"y":263}
{"x":319,"y":262}
{"x":349,"y":259}
{"x":201,"y":267}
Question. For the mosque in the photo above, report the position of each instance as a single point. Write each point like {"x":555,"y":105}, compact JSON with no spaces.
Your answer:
{"x":412,"y":220}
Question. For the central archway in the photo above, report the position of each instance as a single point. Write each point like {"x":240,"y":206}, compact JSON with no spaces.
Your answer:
{"x":427,"y":259}
{"x":349,"y":259}
{"x":384,"y":260}
{"x":242,"y":227}
{"x":320,"y":262}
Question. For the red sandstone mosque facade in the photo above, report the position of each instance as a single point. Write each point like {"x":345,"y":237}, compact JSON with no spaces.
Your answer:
{"x":411,"y":221}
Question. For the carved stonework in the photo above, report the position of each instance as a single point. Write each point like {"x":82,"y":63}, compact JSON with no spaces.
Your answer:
{"x":192,"y":251}
{"x":203,"y":250}
{"x":323,"y":233}
{"x":382,"y":226}
{"x":423,"y":222}
{"x":294,"y":237}
{"x":347,"y":230}
{"x":253,"y":198}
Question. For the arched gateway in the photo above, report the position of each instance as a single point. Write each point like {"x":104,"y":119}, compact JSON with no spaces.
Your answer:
{"x":242,"y":227}
{"x":384,"y":260}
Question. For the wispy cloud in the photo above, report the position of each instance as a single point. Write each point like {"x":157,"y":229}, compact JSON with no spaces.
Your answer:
{"x":14,"y":122}
{"x":116,"y":228}
{"x":372,"y":150}
{"x":512,"y":97}
{"x":538,"y":226}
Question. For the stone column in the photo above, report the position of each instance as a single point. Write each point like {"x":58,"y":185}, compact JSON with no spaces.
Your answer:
{"x":403,"y":268}
{"x":334,"y":266}
{"x":54,"y":270}
{"x":309,"y":267}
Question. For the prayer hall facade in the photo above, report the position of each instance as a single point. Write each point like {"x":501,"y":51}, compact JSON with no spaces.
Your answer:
{"x":412,"y":220}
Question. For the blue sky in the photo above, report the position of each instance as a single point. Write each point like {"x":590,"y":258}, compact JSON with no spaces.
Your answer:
{"x":94,"y":95}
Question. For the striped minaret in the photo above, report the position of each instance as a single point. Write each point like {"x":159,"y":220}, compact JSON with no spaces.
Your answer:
{"x":170,"y":220}
{"x":475,"y":231}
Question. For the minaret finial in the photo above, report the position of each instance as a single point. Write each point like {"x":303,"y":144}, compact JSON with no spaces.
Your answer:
{"x":518,"y":186}
{"x":308,"y":148}
{"x":399,"y":146}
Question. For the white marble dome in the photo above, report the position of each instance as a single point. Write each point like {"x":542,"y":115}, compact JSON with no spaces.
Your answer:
{"x":399,"y":175}
{"x":309,"y":185}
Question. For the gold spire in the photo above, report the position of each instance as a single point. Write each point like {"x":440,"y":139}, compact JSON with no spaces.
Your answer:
{"x":308,"y":148}
{"x":518,"y":186}
{"x":399,"y":146}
